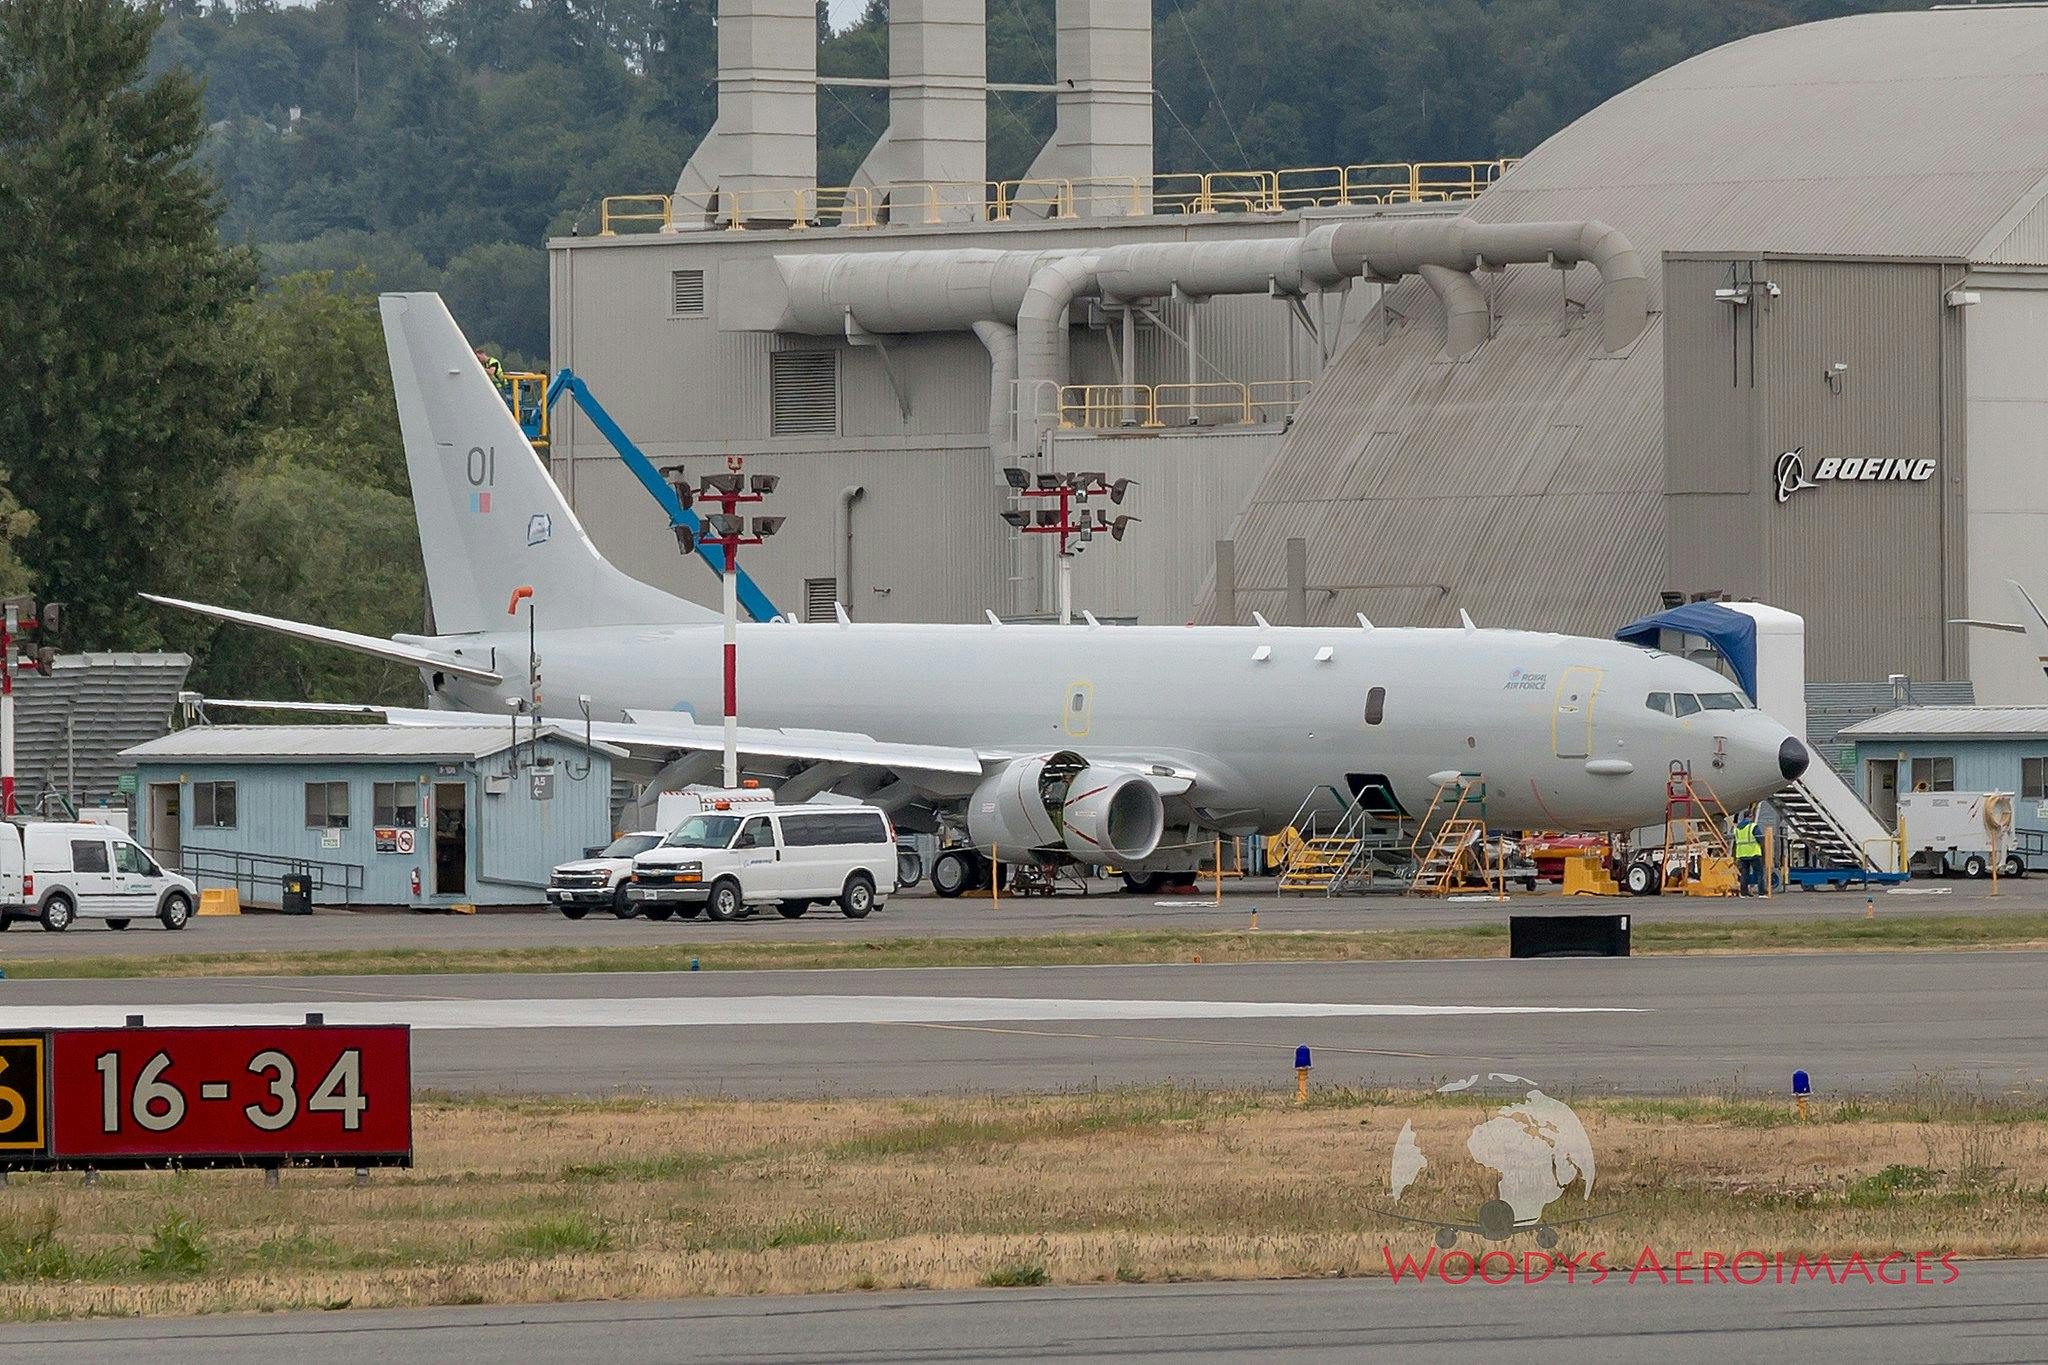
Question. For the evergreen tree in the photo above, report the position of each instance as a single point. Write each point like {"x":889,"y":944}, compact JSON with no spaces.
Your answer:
{"x":118,"y":311}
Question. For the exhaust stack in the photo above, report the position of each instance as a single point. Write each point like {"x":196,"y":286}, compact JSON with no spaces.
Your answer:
{"x":763,"y":150}
{"x":1102,"y":141}
{"x":931,"y":161}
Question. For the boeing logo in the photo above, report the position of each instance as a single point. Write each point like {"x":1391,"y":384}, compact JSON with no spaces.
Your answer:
{"x":1791,"y":471}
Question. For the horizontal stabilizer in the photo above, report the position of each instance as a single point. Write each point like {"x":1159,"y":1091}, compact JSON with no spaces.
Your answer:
{"x":390,"y":650}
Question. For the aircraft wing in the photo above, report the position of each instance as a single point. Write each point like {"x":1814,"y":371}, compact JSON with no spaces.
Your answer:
{"x":939,"y":770}
{"x":374,"y":646}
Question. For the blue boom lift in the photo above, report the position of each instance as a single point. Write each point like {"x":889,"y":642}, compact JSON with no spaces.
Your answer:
{"x":532,"y":397}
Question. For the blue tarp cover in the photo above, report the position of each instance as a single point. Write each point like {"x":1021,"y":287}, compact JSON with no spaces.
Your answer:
{"x":1731,"y":632}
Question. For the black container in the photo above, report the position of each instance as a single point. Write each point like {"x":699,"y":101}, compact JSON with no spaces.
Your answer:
{"x":1568,"y":936}
{"x":297,"y":898}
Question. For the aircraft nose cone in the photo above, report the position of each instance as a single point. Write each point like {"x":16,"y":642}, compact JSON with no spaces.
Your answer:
{"x":1792,"y":759}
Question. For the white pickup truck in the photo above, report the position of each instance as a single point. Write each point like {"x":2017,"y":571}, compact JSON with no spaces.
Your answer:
{"x":599,"y":881}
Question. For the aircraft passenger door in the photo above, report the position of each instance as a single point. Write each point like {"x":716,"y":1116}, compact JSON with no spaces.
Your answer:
{"x":1571,"y":723}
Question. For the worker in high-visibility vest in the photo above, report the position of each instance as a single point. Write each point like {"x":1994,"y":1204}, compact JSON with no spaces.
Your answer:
{"x":492,"y":368}
{"x":1749,"y":853}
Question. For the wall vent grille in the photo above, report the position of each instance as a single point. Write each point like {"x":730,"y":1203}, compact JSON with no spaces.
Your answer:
{"x":686,"y":293}
{"x":803,"y":393}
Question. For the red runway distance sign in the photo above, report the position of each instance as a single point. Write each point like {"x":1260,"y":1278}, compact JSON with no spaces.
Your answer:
{"x":313,"y":1094}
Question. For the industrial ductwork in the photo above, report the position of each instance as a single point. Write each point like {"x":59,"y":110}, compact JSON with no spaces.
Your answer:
{"x":1387,"y":249}
{"x":936,"y":291}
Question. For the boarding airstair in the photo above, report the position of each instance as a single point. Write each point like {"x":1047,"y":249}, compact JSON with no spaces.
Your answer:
{"x":1459,"y":854}
{"x":1830,"y":832}
{"x":1328,"y":855}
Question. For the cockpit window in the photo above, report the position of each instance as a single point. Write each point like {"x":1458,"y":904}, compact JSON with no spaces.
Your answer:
{"x":1686,"y":702}
{"x":1660,"y":701}
{"x":1721,"y":701}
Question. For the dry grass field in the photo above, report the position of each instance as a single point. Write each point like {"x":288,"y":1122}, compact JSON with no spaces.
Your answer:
{"x":523,"y":1201}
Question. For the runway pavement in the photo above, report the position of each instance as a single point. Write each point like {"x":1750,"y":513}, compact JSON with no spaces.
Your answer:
{"x":1856,"y":1022}
{"x":921,"y":915}
{"x":1997,"y":1311}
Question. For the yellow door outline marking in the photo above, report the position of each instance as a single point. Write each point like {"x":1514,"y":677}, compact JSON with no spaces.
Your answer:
{"x":1075,"y":720}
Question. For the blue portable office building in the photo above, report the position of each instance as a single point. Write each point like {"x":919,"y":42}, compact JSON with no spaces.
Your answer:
{"x":360,"y":811}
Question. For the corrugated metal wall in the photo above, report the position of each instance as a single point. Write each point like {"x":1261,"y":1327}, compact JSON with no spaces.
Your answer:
{"x":1871,"y":565}
{"x":2006,"y":498}
{"x":1521,"y":484}
{"x":513,"y":840}
{"x":1190,"y":488}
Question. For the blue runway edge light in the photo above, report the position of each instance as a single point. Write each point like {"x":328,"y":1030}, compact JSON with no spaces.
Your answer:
{"x":1800,"y":1084}
{"x":1301,"y":1058}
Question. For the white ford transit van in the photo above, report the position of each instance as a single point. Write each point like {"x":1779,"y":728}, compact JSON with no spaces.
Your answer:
{"x":60,"y":872}
{"x":723,"y":862}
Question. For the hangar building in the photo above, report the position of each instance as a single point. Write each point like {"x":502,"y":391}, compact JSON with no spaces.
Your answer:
{"x":1771,"y":323}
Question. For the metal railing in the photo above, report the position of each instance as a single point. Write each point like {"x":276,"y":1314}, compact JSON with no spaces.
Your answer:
{"x":1115,"y":407}
{"x":227,"y":868}
{"x":526,"y":394}
{"x":1039,"y":198}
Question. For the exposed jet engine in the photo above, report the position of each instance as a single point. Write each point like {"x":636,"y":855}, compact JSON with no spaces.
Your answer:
{"x":1059,"y":802}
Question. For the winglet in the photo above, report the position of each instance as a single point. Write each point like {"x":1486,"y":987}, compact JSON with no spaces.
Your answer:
{"x":839,"y":614}
{"x":1466,"y":617}
{"x":1364,"y":624}
{"x":1261,"y":622}
{"x":993,"y":619}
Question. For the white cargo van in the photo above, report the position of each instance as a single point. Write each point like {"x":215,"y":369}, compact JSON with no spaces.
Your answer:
{"x":60,"y":872}
{"x":723,"y":862}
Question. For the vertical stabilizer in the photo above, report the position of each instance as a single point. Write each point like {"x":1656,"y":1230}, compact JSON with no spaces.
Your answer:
{"x":491,"y":519}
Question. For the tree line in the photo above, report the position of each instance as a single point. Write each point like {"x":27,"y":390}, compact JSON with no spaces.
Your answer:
{"x":203,"y":199}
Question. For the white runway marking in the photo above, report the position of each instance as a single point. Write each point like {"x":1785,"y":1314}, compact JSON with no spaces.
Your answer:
{"x":722,"y":1011}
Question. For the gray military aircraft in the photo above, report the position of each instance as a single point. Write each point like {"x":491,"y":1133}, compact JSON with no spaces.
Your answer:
{"x":1130,"y":746}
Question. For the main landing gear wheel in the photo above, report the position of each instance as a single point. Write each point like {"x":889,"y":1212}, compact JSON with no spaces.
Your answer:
{"x":954,"y":872}
{"x":1142,"y":883}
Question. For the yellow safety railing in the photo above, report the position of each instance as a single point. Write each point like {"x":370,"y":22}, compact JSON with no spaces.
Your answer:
{"x":1273,"y":399}
{"x":1102,"y":407}
{"x":619,"y":209}
{"x":1052,"y":198}
{"x":1002,"y":201}
{"x":1219,"y":402}
{"x":527,"y":393}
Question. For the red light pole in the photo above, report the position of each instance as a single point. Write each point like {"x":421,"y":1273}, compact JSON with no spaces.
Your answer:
{"x":727,"y":529}
{"x":1064,"y":493}
{"x":42,"y":661}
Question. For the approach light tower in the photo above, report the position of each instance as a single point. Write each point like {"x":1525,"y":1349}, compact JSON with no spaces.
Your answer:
{"x":726,"y":529}
{"x":1061,"y":495}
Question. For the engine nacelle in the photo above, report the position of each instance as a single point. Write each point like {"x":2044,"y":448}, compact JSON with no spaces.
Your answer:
{"x":1058,"y":803}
